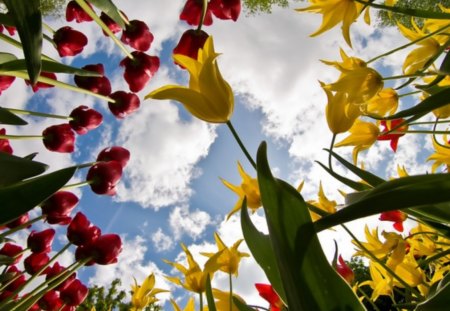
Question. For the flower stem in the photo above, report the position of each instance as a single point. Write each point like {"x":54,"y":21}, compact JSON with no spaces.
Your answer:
{"x":329,"y":153}
{"x":202,"y":17}
{"x":201,"y":301}
{"x":19,"y":137}
{"x":230,"y":280}
{"x":38,"y":114}
{"x":429,"y":122}
{"x":50,"y":29}
{"x":241,"y":145}
{"x":22,"y":226}
{"x":409,"y":93}
{"x":417,"y":132}
{"x":76,"y":185}
{"x":412,"y":75}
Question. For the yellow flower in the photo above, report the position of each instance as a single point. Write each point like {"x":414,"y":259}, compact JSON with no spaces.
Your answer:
{"x":229,"y":258}
{"x":144,"y":294}
{"x":384,"y":102}
{"x":195,"y":278}
{"x":248,"y":188}
{"x":380,"y":282}
{"x":190,"y":306}
{"x":339,"y":112}
{"x":222,"y":300}
{"x":408,"y":270}
{"x":362,"y":136}
{"x":335,"y":12}
{"x":209,"y":97}
{"x":323,"y":203}
{"x":374,"y":245}
{"x":441,"y":156}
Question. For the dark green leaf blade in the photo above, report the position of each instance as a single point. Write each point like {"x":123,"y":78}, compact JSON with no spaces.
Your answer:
{"x":438,"y":301}
{"x":10,"y":118}
{"x":309,"y":281}
{"x":209,"y":295}
{"x":21,"y":197}
{"x":15,"y":169}
{"x":241,"y":306}
{"x":48,"y":66}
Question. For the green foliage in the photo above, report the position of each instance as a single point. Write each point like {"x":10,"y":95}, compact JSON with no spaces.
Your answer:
{"x":55,"y":8}
{"x":262,"y":6}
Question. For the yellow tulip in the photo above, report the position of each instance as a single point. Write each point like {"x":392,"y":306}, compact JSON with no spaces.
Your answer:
{"x":384,"y":102}
{"x":322,"y":203}
{"x":222,"y":300}
{"x":144,"y":295}
{"x":209,"y":97}
{"x":190,"y":306}
{"x":441,"y":156}
{"x":380,"y":282}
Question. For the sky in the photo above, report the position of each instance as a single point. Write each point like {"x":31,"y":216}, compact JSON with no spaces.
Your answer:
{"x":171,"y":191}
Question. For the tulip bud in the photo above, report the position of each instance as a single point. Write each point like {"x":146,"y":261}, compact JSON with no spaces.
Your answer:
{"x":81,"y":231}
{"x":124,"y":104}
{"x":115,"y":153}
{"x":85,"y":119}
{"x":39,"y":242}
{"x":69,"y":42}
{"x":59,"y":138}
{"x":139,"y":70}
{"x":75,"y":12}
{"x":137,"y":35}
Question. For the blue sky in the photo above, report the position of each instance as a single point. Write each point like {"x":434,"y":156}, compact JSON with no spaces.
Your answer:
{"x":171,"y":191}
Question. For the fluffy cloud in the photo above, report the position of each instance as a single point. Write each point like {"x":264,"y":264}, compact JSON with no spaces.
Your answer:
{"x":184,"y":221}
{"x":162,"y":241}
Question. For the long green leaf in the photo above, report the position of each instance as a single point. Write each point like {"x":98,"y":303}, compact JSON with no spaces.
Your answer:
{"x":440,"y":300}
{"x":310,"y":283}
{"x":241,"y":306}
{"x":15,"y":169}
{"x":397,"y":194}
{"x":6,"y":19}
{"x":209,"y":295}
{"x":261,"y":249}
{"x":21,"y":197}
{"x":110,"y":9}
{"x":48,"y":66}
{"x":7,"y":57}
{"x":27,"y":18}
{"x":346,"y":181}
{"x":10,"y":118}
{"x":437,"y":212}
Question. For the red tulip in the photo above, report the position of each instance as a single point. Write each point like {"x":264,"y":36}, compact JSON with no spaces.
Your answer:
{"x":13,"y":251}
{"x":190,"y":42}
{"x":398,"y":217}
{"x":267,"y":292}
{"x":4,"y":143}
{"x":50,"y":301}
{"x":81,"y":231}
{"x":42,"y":85}
{"x":192,"y":13}
{"x":75,"y":12}
{"x":23,"y":219}
{"x":59,"y":138}
{"x":18,"y":276}
{"x":344,"y":270}
{"x":139,"y":70}
{"x":34,"y":262}
{"x":11,"y":29}
{"x":137,"y":35}
{"x":103,"y":251}
{"x":115,"y":153}
{"x":58,"y":207}
{"x":110,"y":23}
{"x":5,"y":82}
{"x":99,"y":85}
{"x":69,"y":42}
{"x":125,"y":104}
{"x":74,"y":294}
{"x":39,"y":242}
{"x":226,"y":9}
{"x":57,"y":270}
{"x":85,"y":119}
{"x":391,"y":124}
{"x":104,"y":176}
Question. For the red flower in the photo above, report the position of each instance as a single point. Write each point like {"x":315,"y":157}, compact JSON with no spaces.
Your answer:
{"x":103,"y":251}
{"x":344,"y":270}
{"x":39,"y":242}
{"x":139,"y":70}
{"x":58,"y":207}
{"x":398,"y":217}
{"x":5,"y":82}
{"x":81,"y":231}
{"x":192,"y":13}
{"x":104,"y":176}
{"x":59,"y":138}
{"x":18,"y":278}
{"x":11,"y":29}
{"x":99,"y":85}
{"x":35,"y":262}
{"x":110,"y":23}
{"x":267,"y":292}
{"x":57,"y":270}
{"x":42,"y":85}
{"x":74,"y":294}
{"x":50,"y":301}
{"x":13,"y":251}
{"x":190,"y":42}
{"x":4,"y":143}
{"x":85,"y":119}
{"x":137,"y":35}
{"x":22,"y":219}
{"x":393,"y":137}
{"x":69,"y":42}
{"x":115,"y":153}
{"x":125,"y":103}
{"x":75,"y":12}
{"x":226,"y":9}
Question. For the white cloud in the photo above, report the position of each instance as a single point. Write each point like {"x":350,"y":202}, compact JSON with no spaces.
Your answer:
{"x":162,"y":241}
{"x":184,"y":221}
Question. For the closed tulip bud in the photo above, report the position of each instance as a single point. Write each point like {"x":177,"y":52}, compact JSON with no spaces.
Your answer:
{"x":103,"y":177}
{"x":5,"y":82}
{"x":139,"y":70}
{"x":39,"y":242}
{"x":81,"y":231}
{"x":57,"y":270}
{"x":137,"y":35}
{"x":59,"y":138}
{"x":19,"y":278}
{"x":4,"y":143}
{"x":34,"y":262}
{"x":192,"y":13}
{"x":106,"y":249}
{"x":22,"y":219}
{"x":69,"y":42}
{"x":226,"y":9}
{"x":115,"y":153}
{"x":190,"y":42}
{"x":85,"y":119}
{"x":99,"y":85}
{"x":110,"y":23}
{"x":58,"y":207}
{"x":74,"y":294}
{"x":75,"y":12}
{"x":13,"y":251}
{"x":344,"y":270}
{"x":124,"y":104}
{"x":50,"y":301}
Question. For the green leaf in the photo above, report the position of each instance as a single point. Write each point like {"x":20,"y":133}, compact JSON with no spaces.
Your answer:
{"x":48,"y":66}
{"x":10,"y":118}
{"x":397,"y":194}
{"x":241,"y":306}
{"x":261,"y":249}
{"x":209,"y":295}
{"x":7,"y":57}
{"x":6,"y":19}
{"x":28,"y":21}
{"x":346,"y":181}
{"x":21,"y":197}
{"x":437,"y":212}
{"x":110,"y":9}
{"x":440,"y":300}
{"x":310,"y":283}
{"x":15,"y":169}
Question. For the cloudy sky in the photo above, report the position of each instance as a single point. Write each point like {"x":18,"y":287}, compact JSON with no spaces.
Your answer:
{"x":171,"y":191}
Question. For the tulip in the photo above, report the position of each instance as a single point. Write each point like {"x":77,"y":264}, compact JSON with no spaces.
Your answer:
{"x":50,"y":301}
{"x":226,"y":9}
{"x":12,"y":250}
{"x":137,"y":35}
{"x":104,"y":176}
{"x":124,"y":104}
{"x":344,"y":270}
{"x":190,"y":42}
{"x":267,"y":292}
{"x":19,"y":278}
{"x":81,"y":231}
{"x":59,"y":138}
{"x":74,"y":294}
{"x":42,"y":85}
{"x":69,"y":42}
{"x":34,"y":262}
{"x":58,"y":270}
{"x":19,"y":221}
{"x":393,"y":137}
{"x":110,"y":23}
{"x":192,"y":13}
{"x":5,"y":82}
{"x":99,"y":85}
{"x":115,"y":153}
{"x":58,"y":207}
{"x":4,"y":143}
{"x":397,"y":217}
{"x":139,"y":70}
{"x":85,"y":119}
{"x":39,"y":242}
{"x":103,"y":251}
{"x":11,"y":29}
{"x":75,"y":12}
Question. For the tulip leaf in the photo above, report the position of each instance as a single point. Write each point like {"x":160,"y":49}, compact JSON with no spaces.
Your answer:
{"x":409,"y":192}
{"x":241,"y":306}
{"x":27,"y":19}
{"x":346,"y":181}
{"x":309,"y":281}
{"x":15,"y":169}
{"x":6,"y":20}
{"x":440,"y":299}
{"x":108,"y":7}
{"x":10,"y":118}
{"x":261,"y":249}
{"x":23,"y":196}
{"x":209,"y":295}
{"x":48,"y":66}
{"x":437,"y":212}
{"x":6,"y":57}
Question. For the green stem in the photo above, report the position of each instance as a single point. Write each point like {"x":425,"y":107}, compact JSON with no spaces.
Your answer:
{"x":230,"y":281}
{"x":241,"y":145}
{"x":76,"y":185}
{"x":409,"y":93}
{"x":202,"y":18}
{"x":201,"y":301}
{"x":329,"y":153}
{"x":50,"y":29}
{"x":21,"y":137}
{"x":429,"y":122}
{"x":412,"y":75}
{"x":417,"y":132}
{"x":22,"y":226}
{"x":374,"y":306}
{"x":17,"y":44}
{"x":84,"y":165}
{"x":37,"y":114}
{"x":105,"y":28}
